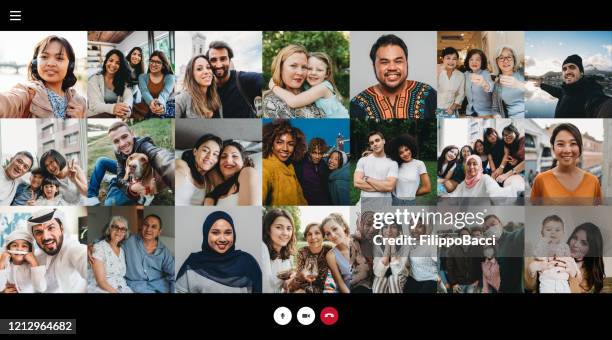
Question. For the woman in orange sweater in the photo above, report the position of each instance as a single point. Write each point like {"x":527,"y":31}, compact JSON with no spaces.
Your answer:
{"x":565,"y":183}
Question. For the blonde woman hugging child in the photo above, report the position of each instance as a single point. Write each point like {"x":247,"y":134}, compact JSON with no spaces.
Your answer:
{"x":320,"y":88}
{"x":19,"y":270}
{"x":553,"y":261}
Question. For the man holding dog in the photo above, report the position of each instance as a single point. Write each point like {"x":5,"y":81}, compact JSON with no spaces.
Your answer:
{"x":122,"y":191}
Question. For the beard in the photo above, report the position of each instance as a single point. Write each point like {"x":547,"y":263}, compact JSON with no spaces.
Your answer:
{"x":58,"y":247}
{"x":224,"y":70}
{"x":389,"y":88}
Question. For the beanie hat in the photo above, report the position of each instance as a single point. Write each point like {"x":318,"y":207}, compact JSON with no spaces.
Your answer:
{"x":576,"y":60}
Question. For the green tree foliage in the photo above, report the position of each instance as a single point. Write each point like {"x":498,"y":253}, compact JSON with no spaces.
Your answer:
{"x":335,"y":44}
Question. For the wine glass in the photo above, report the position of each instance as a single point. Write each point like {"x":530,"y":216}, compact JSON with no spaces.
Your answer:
{"x":310,"y":271}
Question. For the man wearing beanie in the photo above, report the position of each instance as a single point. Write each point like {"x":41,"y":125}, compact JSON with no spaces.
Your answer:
{"x":64,"y":257}
{"x":579,"y":97}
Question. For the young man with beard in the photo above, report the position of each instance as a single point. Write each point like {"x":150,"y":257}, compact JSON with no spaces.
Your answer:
{"x":237,"y":89}
{"x":579,"y":97}
{"x":64,"y":257}
{"x":125,"y":143}
{"x":376,"y":174}
{"x":313,"y":174}
{"x":394,"y":96}
{"x":509,"y":250}
{"x":10,"y":176}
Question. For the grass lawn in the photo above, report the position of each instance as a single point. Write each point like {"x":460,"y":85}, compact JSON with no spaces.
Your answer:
{"x":429,"y":199}
{"x":160,"y":130}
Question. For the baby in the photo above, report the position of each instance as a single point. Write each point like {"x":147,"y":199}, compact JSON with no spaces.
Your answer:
{"x":549,"y":250}
{"x":19,"y":270}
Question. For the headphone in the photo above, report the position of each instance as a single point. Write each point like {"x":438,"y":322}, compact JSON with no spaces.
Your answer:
{"x":34,"y":64}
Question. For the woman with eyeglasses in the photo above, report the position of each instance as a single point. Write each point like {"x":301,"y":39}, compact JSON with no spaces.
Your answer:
{"x":512,"y":166}
{"x":156,"y":86}
{"x":109,"y":264}
{"x":509,"y":87}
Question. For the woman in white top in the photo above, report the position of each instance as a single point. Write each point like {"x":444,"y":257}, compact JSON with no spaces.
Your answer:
{"x":479,"y":185}
{"x":109,"y":264}
{"x":423,"y":264}
{"x":412,"y":179}
{"x":277,"y":249}
{"x":192,"y":170}
{"x":389,"y":263}
{"x":451,"y":85}
{"x":108,"y":93}
{"x":241,"y":183}
{"x":19,"y":269}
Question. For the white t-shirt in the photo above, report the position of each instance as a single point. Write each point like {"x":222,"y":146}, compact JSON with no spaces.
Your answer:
{"x":409,"y":178}
{"x":8,"y":188}
{"x":379,"y":168}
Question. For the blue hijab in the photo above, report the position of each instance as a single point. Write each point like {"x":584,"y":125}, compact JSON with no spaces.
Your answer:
{"x":234,"y":268}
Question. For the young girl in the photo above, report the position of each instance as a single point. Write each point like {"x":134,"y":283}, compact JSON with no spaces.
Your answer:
{"x":19,"y":270}
{"x":48,"y":93}
{"x":549,"y":250}
{"x":50,"y":193}
{"x":321,"y":90}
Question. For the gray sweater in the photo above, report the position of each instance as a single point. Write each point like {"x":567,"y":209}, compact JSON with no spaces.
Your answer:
{"x":95,"y":96}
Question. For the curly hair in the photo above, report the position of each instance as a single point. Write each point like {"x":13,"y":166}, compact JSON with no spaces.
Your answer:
{"x":277,"y":128}
{"x":399,"y":141}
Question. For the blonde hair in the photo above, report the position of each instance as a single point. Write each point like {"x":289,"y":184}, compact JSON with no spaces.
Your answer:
{"x":329,"y":74}
{"x":337,"y":219}
{"x":206,"y":104}
{"x":500,"y":49}
{"x":278,"y":61}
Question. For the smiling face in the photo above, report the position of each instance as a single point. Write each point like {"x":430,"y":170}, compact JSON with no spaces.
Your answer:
{"x":219,"y":58}
{"x":450,"y":61}
{"x":283,"y":147}
{"x":317,"y":71}
{"x":390,"y":231}
{"x":155,"y":64}
{"x":391,"y":67}
{"x":579,"y":245}
{"x":281,"y":232}
{"x":294,"y":71}
{"x":49,"y":190}
{"x":52,"y":63}
{"x":118,"y":231}
{"x":150,"y":229}
{"x":566,"y":149}
{"x":553,"y":230}
{"x":335,"y":233}
{"x":418,"y":230}
{"x":465,"y":152}
{"x":475,"y":62}
{"x":112,"y":64}
{"x":202,"y":72}
{"x":231,"y":161}
{"x":479,"y":148}
{"x":506,"y":61}
{"x":52,"y":166}
{"x":206,"y":155}
{"x":18,"y":166}
{"x":316,"y":155}
{"x":451,"y":154}
{"x":19,"y":245}
{"x":377,"y":143}
{"x":221,"y":236}
{"x":135,"y":57}
{"x":333,"y":161}
{"x":49,"y":236}
{"x":508,"y":137}
{"x":472,"y":167}
{"x":492,"y":138}
{"x":405,"y":154}
{"x":314,"y":237}
{"x":122,"y":139}
{"x":571,"y":73}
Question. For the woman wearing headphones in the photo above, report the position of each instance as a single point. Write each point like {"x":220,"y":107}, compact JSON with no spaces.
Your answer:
{"x":48,"y":93}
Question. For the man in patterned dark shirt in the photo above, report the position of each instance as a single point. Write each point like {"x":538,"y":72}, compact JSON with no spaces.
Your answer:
{"x":394,"y":96}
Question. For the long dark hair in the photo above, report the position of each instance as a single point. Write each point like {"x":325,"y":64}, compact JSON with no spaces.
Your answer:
{"x":189,"y":157}
{"x":55,"y":155}
{"x":286,"y":251}
{"x":488,"y":147}
{"x":572,"y":129}
{"x":138,"y":68}
{"x":442,"y":158}
{"x":593,"y":261}
{"x":123,"y":74}
{"x":514,"y":147}
{"x":460,"y":156}
{"x":223,"y":188}
{"x":483,"y":147}
{"x":166,"y":65}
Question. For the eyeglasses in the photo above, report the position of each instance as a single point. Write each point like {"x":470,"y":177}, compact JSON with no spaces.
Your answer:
{"x":155,"y":62}
{"x":117,"y":228}
{"x":508,"y":58}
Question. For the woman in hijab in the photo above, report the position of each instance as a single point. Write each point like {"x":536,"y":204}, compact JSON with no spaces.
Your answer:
{"x":479,"y":185}
{"x":219,"y":267}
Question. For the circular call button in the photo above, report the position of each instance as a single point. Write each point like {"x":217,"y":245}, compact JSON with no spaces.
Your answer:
{"x":329,"y":316}
{"x":282,"y":316}
{"x":306,"y":316}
